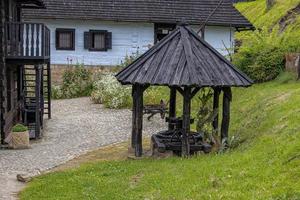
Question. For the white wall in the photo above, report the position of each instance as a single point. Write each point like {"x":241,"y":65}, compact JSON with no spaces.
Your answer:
{"x":220,"y":38}
{"x":127,"y":39}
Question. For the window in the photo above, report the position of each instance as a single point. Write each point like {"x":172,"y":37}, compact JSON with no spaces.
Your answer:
{"x":65,"y":39}
{"x":97,"y":40}
{"x":162,"y":30}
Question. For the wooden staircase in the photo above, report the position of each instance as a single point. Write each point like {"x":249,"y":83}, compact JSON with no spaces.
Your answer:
{"x":37,"y":97}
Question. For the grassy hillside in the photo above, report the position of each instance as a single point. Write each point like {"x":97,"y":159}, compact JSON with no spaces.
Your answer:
{"x":265,"y":166}
{"x":262,"y":53}
{"x":256,"y":12}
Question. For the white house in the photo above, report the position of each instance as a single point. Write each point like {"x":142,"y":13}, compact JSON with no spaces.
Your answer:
{"x":103,"y":32}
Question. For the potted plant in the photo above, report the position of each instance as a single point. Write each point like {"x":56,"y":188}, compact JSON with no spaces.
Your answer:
{"x":19,"y":137}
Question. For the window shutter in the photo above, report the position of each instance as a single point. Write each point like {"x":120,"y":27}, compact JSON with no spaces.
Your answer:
{"x":86,"y":40}
{"x":108,"y":40}
{"x":57,"y":39}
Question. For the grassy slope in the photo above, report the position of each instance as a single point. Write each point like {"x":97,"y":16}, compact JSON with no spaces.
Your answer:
{"x":256,"y":13}
{"x":268,"y":113}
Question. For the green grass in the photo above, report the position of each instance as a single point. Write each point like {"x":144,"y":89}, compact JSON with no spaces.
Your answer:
{"x":266,"y":164}
{"x":256,"y":12}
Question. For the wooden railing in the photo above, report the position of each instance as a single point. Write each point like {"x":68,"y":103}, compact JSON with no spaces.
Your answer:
{"x":27,"y":40}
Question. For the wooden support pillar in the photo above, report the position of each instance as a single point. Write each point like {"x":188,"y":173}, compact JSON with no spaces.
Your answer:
{"x":38,"y":80}
{"x":186,"y":123}
{"x":137,"y":120}
{"x":216,"y":103}
{"x":226,"y":116}
{"x":49,"y":89}
{"x":172,"y":108}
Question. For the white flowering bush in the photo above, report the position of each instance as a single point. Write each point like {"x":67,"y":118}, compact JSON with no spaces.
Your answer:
{"x":109,"y":92}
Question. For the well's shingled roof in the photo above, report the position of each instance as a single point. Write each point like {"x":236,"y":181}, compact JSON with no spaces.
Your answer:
{"x":183,"y":59}
{"x":156,"y":11}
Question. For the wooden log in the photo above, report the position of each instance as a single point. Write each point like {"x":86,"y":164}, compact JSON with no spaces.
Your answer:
{"x":216,"y":103}
{"x":137,"y":125}
{"x":172,"y":108}
{"x":186,"y":121}
{"x":226,"y":116}
{"x":134,"y":105}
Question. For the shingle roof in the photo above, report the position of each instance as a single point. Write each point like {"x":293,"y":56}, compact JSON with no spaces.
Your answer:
{"x":183,"y":59}
{"x":156,"y":11}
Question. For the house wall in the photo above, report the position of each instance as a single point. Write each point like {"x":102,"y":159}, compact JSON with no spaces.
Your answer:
{"x":221,"y":38}
{"x":127,"y":39}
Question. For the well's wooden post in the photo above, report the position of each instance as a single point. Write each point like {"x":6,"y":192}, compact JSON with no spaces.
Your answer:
{"x":172,"y":108}
{"x":186,"y":117}
{"x":137,"y":120}
{"x":226,"y":116}
{"x":133,"y":130}
{"x":216,"y":103}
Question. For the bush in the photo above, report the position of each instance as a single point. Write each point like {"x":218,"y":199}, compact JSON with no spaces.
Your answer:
{"x":261,"y":56}
{"x":56,"y":92}
{"x":77,"y":82}
{"x":111,"y":93}
{"x":19,"y":128}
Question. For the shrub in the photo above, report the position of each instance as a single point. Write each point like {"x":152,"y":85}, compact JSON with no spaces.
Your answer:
{"x":111,"y":93}
{"x":19,"y":128}
{"x":129,"y":59}
{"x":56,"y":92}
{"x":261,"y":56}
{"x":77,"y":82}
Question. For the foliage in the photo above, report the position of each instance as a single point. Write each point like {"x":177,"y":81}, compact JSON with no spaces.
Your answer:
{"x":260,"y":167}
{"x":261,"y":56}
{"x":129,"y":59}
{"x":205,"y":114}
{"x":111,"y":93}
{"x":77,"y":82}
{"x":19,"y":128}
{"x":56,"y":92}
{"x":262,"y":53}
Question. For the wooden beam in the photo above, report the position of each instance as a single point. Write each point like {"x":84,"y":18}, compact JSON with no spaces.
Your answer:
{"x":172,"y":108}
{"x":38,"y":81}
{"x":186,"y":121}
{"x":195,"y":91}
{"x":216,"y":103}
{"x":226,"y":116}
{"x":180,"y":90}
{"x":137,"y":120}
{"x":49,"y":89}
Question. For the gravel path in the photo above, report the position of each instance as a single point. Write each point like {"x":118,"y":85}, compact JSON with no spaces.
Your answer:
{"x":77,"y":126}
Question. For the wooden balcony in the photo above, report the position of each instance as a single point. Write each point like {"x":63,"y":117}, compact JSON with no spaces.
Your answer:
{"x":27,"y":43}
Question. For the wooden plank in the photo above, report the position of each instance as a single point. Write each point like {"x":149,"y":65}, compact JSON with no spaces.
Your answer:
{"x":226,"y":116}
{"x":22,"y":53}
{"x":27,"y":40}
{"x":32,"y":40}
{"x":186,"y":117}
{"x":37,"y":42}
{"x":43,"y":41}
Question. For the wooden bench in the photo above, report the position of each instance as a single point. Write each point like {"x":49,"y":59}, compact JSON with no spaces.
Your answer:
{"x":154,"y":109}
